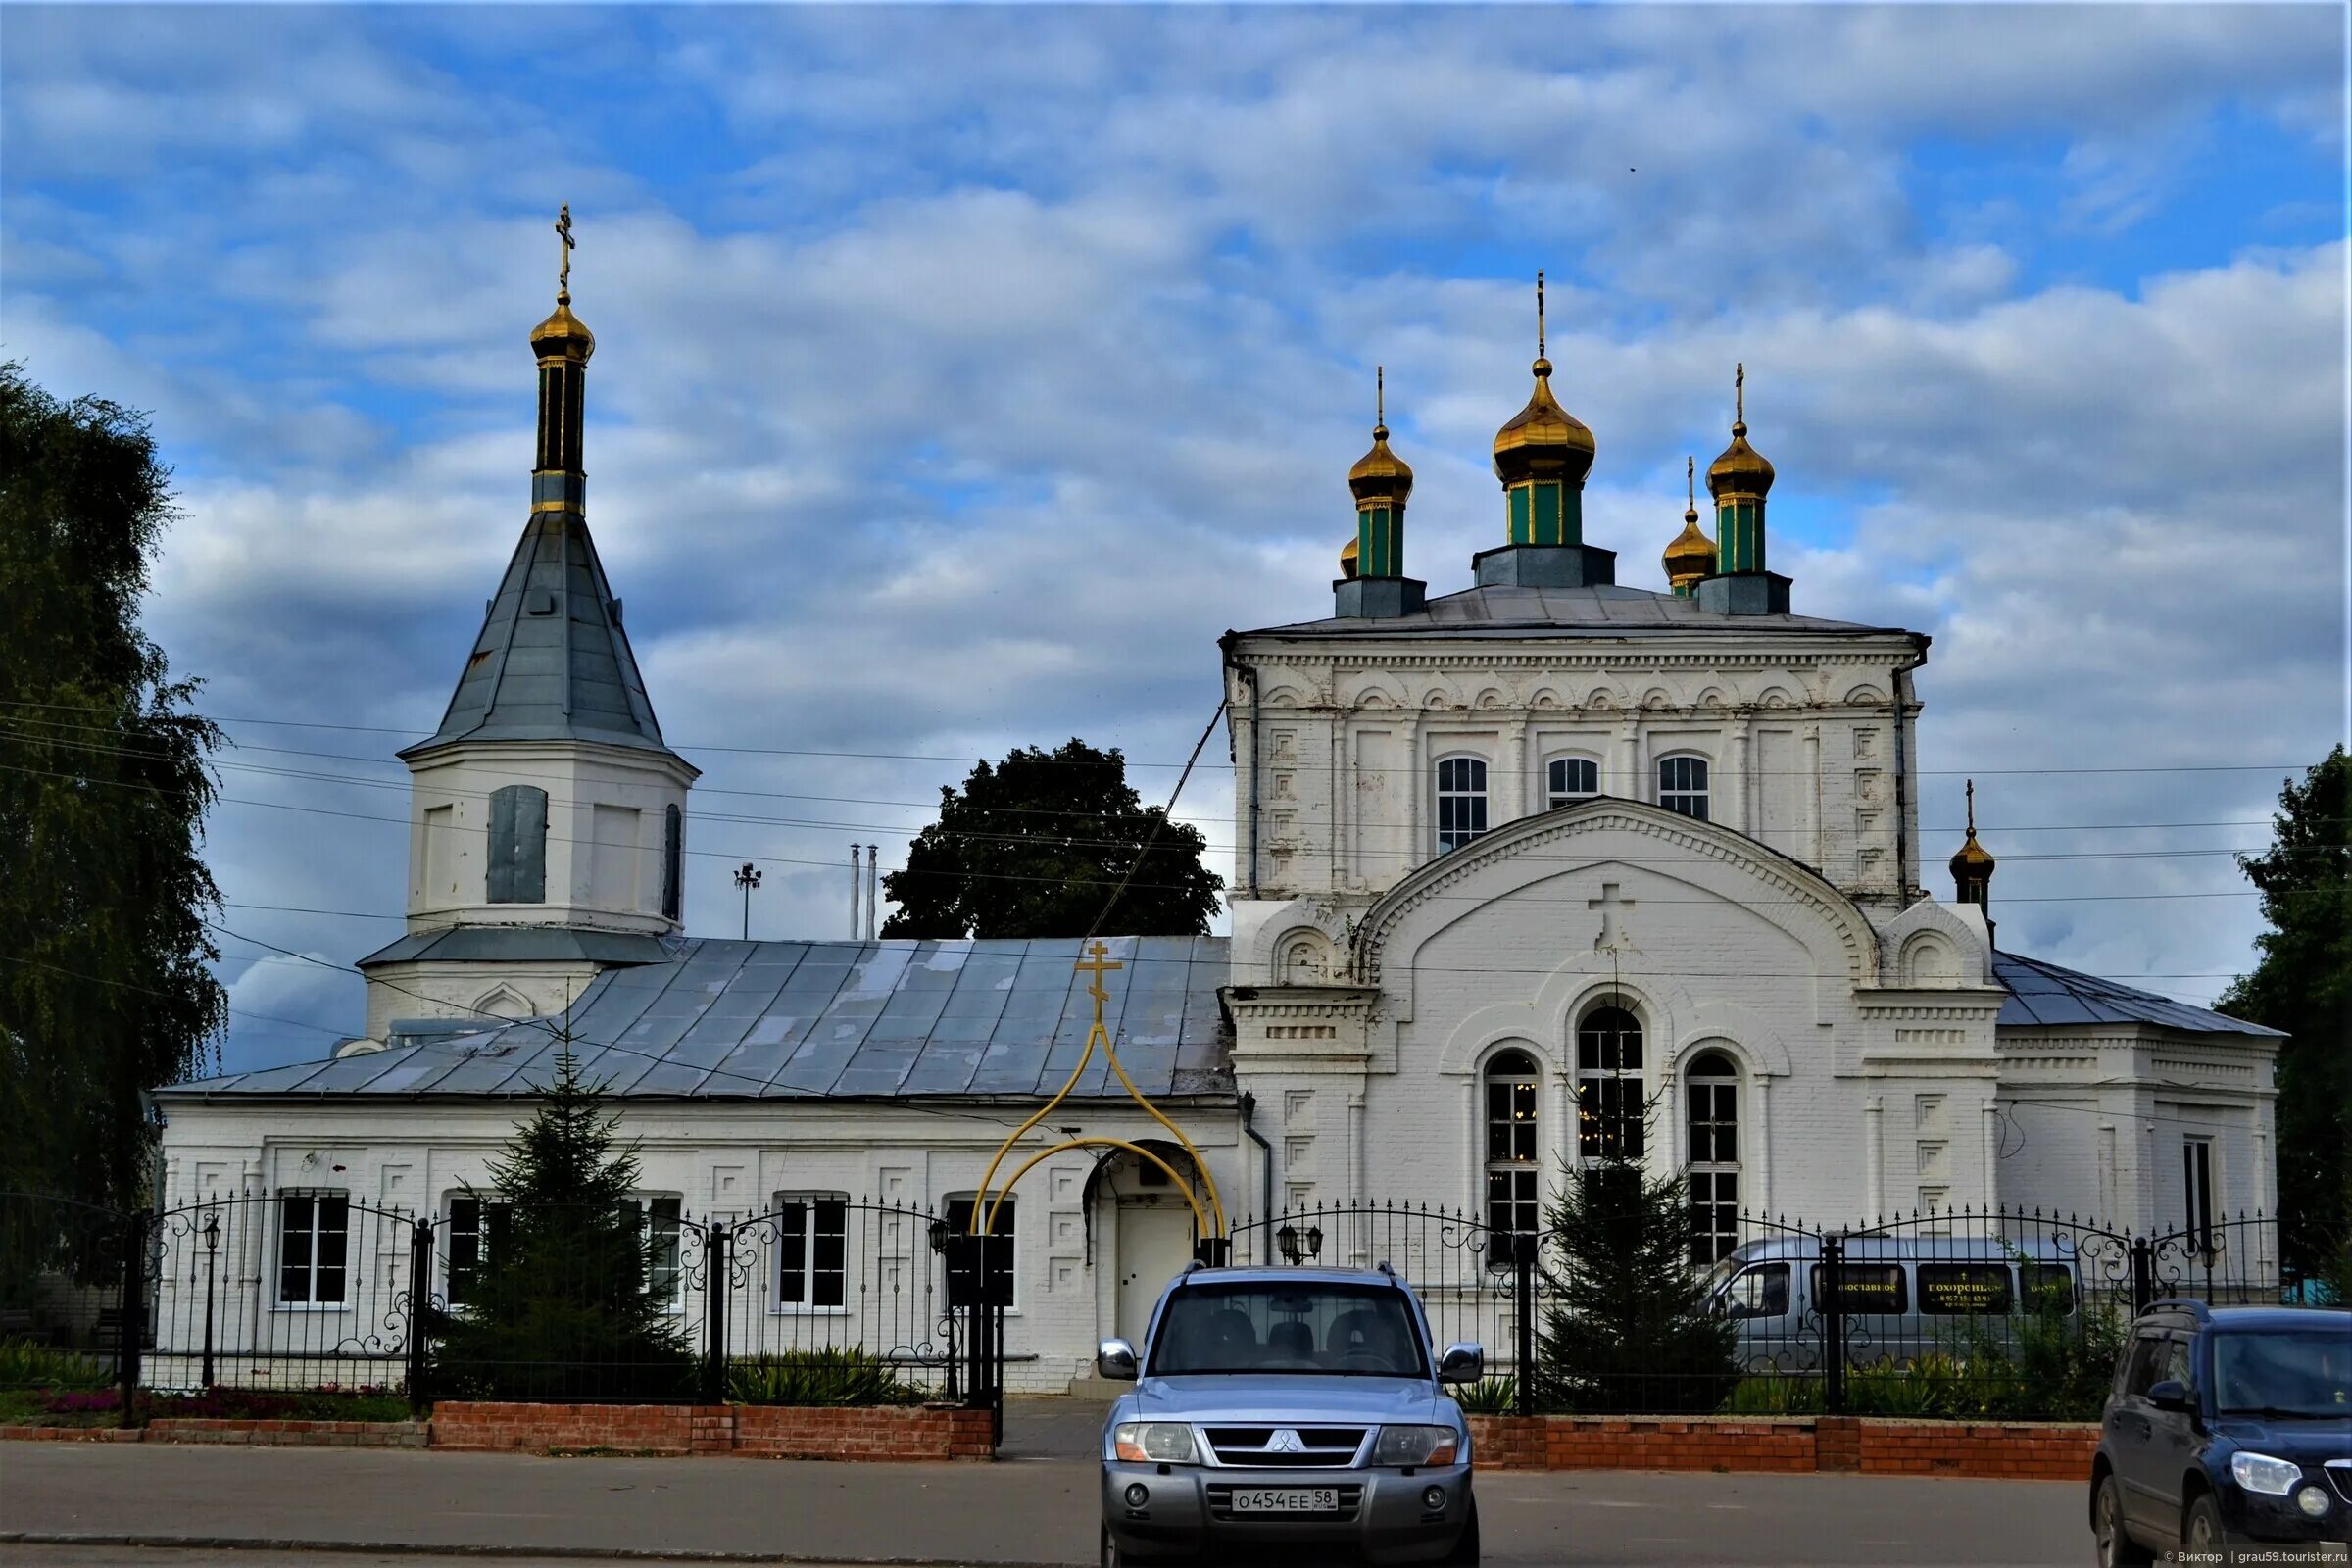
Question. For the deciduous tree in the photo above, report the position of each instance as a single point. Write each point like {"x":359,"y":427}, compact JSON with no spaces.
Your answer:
{"x":2303,"y":985}
{"x":105,"y":983}
{"x":1034,"y":846}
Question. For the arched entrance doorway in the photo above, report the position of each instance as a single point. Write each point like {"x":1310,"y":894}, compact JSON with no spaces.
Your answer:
{"x":1149,"y":1229}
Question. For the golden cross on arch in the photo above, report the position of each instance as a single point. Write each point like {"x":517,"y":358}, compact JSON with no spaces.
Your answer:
{"x":564,"y":233}
{"x":1099,"y":965}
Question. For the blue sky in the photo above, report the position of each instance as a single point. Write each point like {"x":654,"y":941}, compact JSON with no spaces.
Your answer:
{"x":938,"y":347}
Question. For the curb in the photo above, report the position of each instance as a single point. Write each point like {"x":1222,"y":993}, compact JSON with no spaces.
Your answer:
{"x":418,"y":1548}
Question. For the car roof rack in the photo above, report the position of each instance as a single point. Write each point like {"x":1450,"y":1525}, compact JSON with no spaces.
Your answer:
{"x":1385,"y":1269}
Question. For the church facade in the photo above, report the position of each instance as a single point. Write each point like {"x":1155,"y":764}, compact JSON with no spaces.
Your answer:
{"x":1525,"y":872}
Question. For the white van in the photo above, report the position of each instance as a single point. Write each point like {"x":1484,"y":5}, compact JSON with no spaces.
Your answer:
{"x":1903,"y":1298}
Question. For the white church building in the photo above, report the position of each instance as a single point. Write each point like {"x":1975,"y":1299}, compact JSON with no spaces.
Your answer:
{"x":1522,"y":871}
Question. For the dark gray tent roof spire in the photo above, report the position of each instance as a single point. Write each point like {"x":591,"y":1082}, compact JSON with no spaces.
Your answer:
{"x":551,"y":663}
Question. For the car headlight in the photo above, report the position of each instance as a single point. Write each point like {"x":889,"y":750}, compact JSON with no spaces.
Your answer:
{"x":2259,"y":1472}
{"x":1152,"y":1442}
{"x":1408,"y":1446}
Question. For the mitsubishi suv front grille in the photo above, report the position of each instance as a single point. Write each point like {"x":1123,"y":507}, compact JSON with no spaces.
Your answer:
{"x":1287,"y":1448}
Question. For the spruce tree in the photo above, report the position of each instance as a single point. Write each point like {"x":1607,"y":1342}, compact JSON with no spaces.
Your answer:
{"x":1626,"y":1329}
{"x":564,"y":1301}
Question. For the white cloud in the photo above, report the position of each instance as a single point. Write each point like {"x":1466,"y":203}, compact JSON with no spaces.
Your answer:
{"x":936,"y":362}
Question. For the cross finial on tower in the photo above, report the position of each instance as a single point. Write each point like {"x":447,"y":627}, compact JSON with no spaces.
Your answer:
{"x":1971,"y":808}
{"x":1690,"y":481}
{"x":1739,"y":396}
{"x":564,"y":272}
{"x":1380,"y":400}
{"x":1540,"y":354}
{"x":1095,"y":966}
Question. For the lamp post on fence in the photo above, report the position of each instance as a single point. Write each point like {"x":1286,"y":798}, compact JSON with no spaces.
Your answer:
{"x":212,"y":1251}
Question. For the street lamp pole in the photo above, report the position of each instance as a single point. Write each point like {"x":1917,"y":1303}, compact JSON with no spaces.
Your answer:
{"x":747,"y":877}
{"x":211,"y":1248}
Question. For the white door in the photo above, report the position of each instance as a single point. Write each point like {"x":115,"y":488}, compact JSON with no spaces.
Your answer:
{"x":1155,"y":1245}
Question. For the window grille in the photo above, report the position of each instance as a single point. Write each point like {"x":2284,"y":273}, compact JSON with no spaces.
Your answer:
{"x":1712,"y":1098}
{"x":1513,"y":1156}
{"x":1683,"y":785}
{"x":313,"y":1249}
{"x":1570,"y":778}
{"x":1461,"y":802}
{"x":1608,"y":1084}
{"x":813,"y":1249}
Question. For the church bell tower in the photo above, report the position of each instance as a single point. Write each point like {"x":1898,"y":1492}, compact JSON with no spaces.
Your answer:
{"x":547,"y":816}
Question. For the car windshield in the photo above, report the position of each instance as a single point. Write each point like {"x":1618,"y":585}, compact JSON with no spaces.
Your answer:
{"x":2284,"y":1372}
{"x":1311,"y":1327}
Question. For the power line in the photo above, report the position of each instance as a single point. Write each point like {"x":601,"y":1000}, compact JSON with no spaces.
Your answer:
{"x":406,"y":782}
{"x":813,"y":825}
{"x":941,"y":757}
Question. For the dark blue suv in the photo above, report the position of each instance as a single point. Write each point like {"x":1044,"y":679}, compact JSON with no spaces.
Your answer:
{"x":2225,"y":1425}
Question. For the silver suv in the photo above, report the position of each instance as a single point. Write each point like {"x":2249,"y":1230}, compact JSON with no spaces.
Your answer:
{"x":1288,"y":1407}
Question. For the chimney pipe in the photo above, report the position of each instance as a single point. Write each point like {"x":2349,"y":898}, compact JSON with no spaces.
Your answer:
{"x":873,"y":892}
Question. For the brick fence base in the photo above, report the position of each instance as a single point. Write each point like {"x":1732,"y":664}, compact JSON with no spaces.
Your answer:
{"x":774,"y":1431}
{"x":1991,"y":1450}
{"x":291,"y":1433}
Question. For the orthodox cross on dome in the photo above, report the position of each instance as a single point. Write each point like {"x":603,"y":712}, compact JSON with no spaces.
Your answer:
{"x":564,"y":272}
{"x":1612,"y":938}
{"x":1739,"y":391}
{"x":1095,"y":969}
{"x":1540,"y":314}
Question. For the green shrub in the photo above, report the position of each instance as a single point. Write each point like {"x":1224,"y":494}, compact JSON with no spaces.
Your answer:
{"x":26,"y":1364}
{"x":1492,"y":1397}
{"x":1776,"y":1393}
{"x":846,"y":1375}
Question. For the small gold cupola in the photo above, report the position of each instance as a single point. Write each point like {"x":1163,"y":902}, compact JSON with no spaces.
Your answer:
{"x":1691,"y":556}
{"x":1382,"y":482}
{"x":1739,"y":480}
{"x":561,"y":344}
{"x":1372,"y":584}
{"x":1971,"y":866}
{"x":1542,"y":455}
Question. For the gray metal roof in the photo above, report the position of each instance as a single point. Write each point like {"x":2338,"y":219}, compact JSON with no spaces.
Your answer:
{"x":1602,"y":611}
{"x":840,"y":1019}
{"x":552,"y":661}
{"x":521,"y":944}
{"x":2045,"y":996}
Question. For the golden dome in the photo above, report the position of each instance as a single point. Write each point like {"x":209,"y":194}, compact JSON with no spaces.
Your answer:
{"x":1348,"y":559}
{"x":564,"y":331}
{"x":1741,"y":470}
{"x":1542,"y":441}
{"x":1381,"y":474}
{"x":1973,"y":864}
{"x":1691,"y":556}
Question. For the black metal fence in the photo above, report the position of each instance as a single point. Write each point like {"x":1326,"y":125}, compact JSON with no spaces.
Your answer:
{"x":827,"y":1300}
{"x":819,"y":1301}
{"x":1969,"y":1312}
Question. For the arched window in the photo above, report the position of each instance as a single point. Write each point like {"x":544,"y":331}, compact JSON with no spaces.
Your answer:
{"x":1608,"y":1084}
{"x":1713,"y":1119}
{"x":517,"y":863}
{"x":1570,"y":778}
{"x":1461,"y":801}
{"x":1683,"y":785}
{"x":1513,"y":1159}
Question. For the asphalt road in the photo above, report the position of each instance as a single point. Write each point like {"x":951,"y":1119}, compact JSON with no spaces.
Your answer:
{"x":1040,"y":1511}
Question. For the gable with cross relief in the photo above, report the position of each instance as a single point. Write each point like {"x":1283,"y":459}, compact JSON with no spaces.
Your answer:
{"x":1616,"y":887}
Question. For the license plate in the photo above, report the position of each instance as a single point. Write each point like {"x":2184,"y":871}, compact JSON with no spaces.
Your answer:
{"x":1286,"y":1500}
